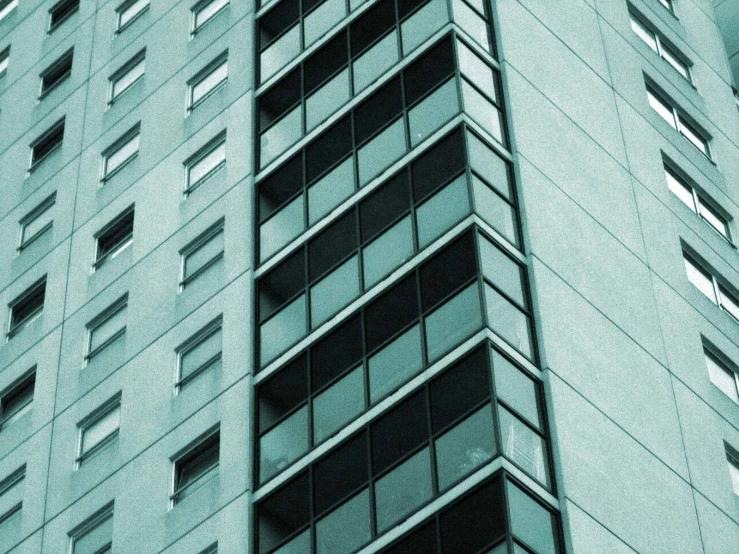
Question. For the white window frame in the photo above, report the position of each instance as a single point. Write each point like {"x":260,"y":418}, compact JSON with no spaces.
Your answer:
{"x":183,"y":455}
{"x":130,"y":137}
{"x":14,"y":329}
{"x":668,"y":5}
{"x":199,"y":8}
{"x":209,"y":148}
{"x":11,"y":391}
{"x":95,"y":520}
{"x":5,"y":61}
{"x":679,"y":122}
{"x":201,"y":240}
{"x":191,"y":344}
{"x":664,"y":49}
{"x":136,"y":61}
{"x":100,"y":260}
{"x":201,"y":76}
{"x":139,"y":8}
{"x":7,"y":8}
{"x":88,"y":422}
{"x":106,"y":315}
{"x":721,"y":292}
{"x":42,"y":209}
{"x":724,"y":364}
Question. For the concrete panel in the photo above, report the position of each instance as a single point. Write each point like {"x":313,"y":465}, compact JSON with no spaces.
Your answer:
{"x":720,"y":533}
{"x":588,"y":535}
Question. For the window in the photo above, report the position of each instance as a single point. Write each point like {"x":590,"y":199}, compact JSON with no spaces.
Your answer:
{"x":200,"y":353}
{"x":668,"y":4}
{"x":202,"y":254}
{"x":99,"y":429}
{"x":27,"y":307}
{"x":107,"y":327}
{"x":212,"y":549}
{"x":4,"y":57}
{"x":47,"y":143}
{"x":16,"y":400}
{"x":711,"y":287}
{"x":94,"y":535}
{"x":61,"y":11}
{"x":36,"y":222}
{"x":657,"y":43}
{"x":129,"y":11}
{"x":11,"y":502}
{"x":204,"y":11}
{"x":7,"y":7}
{"x":721,"y":374}
{"x":733,"y":460}
{"x":697,"y":203}
{"x":56,"y":72}
{"x":197,"y":466}
{"x":121,"y":152}
{"x":678,"y":121}
{"x":208,"y":80}
{"x":125,"y":77}
{"x":114,"y":238}
{"x":205,"y":163}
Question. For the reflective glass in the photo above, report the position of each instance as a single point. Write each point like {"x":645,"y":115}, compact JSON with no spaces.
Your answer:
{"x":388,"y":251}
{"x":208,"y":83}
{"x":131,"y":11}
{"x":39,"y":222}
{"x":123,"y":82}
{"x":502,"y":270}
{"x":381,"y":151}
{"x":713,"y":218}
{"x":701,"y":280}
{"x":489,"y":165}
{"x":334,"y":291}
{"x":453,"y":322}
{"x":107,"y":328}
{"x":433,"y":111}
{"x":202,"y":353}
{"x":442,"y":210}
{"x":320,"y":20}
{"x":643,"y":33}
{"x":395,"y":363}
{"x":125,"y":152}
{"x":202,"y":168}
{"x":204,"y":254}
{"x":482,"y":111}
{"x":299,"y":545}
{"x":734,"y":473}
{"x":694,"y":137}
{"x":280,"y":136}
{"x":664,"y":110}
{"x":338,"y":404}
{"x":346,"y":528}
{"x":96,"y":432}
{"x":403,"y":489}
{"x":516,"y":389}
{"x":466,"y":446}
{"x":204,"y":14}
{"x":95,"y":539}
{"x":279,"y":53}
{"x":373,"y":63}
{"x":471,"y":22}
{"x":326,"y":100}
{"x":508,"y":321}
{"x":682,"y":191}
{"x":722,"y":377}
{"x":423,"y":23}
{"x":330,"y":190}
{"x":522,"y":445}
{"x":284,"y":444}
{"x":729,"y":303}
{"x":282,"y":330}
{"x":281,"y":228}
{"x":531,"y":521}
{"x":675,"y":62}
{"x":477,"y":71}
{"x":494,"y":210}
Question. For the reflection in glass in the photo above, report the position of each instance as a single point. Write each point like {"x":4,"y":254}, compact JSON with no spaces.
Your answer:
{"x":330,"y":190}
{"x":453,"y":322}
{"x":508,"y":321}
{"x":281,"y":228}
{"x":282,"y":330}
{"x":388,"y":251}
{"x":346,"y":528}
{"x":422,"y":24}
{"x":284,"y":444}
{"x":403,"y":489}
{"x":338,"y":404}
{"x":381,"y":151}
{"x":373,"y":63}
{"x":334,"y":291}
{"x":522,"y":445}
{"x":442,"y":210}
{"x":395,"y":363}
{"x":433,"y":111}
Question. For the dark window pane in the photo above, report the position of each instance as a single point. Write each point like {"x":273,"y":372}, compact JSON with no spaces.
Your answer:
{"x":475,"y":522}
{"x":422,"y":541}
{"x":459,"y":389}
{"x":336,"y":353}
{"x":280,"y":186}
{"x":328,"y":149}
{"x":399,"y":432}
{"x":310,"y":4}
{"x":448,"y":271}
{"x":437,"y":167}
{"x":372,"y":25}
{"x":340,"y":473}
{"x":282,"y":392}
{"x":384,"y":206}
{"x":279,"y":99}
{"x":283,"y":513}
{"x":324,"y":63}
{"x":332,"y":246}
{"x":391,"y":313}
{"x":277,"y":20}
{"x":431,"y":70}
{"x":281,"y":284}
{"x":378,"y":110}
{"x":407,"y":6}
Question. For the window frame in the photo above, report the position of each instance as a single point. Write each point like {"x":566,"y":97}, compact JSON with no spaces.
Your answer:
{"x":125,"y":69}
{"x":57,"y":128}
{"x":95,"y":323}
{"x":668,"y":5}
{"x":720,"y":287}
{"x":4,"y":61}
{"x":14,"y":327}
{"x":130,"y":136}
{"x":199,"y":7}
{"x":192,"y":344}
{"x":201,"y":154}
{"x":60,"y":63}
{"x":125,"y":242}
{"x":7,"y":8}
{"x":40,"y":209}
{"x":202,"y":75}
{"x":12,"y":391}
{"x":193,"y":246}
{"x":723,"y":362}
{"x":125,"y":6}
{"x":680,"y":121}
{"x":210,"y":439}
{"x":663,"y":45}
{"x":89,"y":421}
{"x":59,"y":6}
{"x":88,"y":525}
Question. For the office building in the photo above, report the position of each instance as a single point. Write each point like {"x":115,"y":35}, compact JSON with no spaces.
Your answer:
{"x":337,"y":276}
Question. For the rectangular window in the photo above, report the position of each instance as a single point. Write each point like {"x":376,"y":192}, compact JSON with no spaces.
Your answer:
{"x":7,"y":7}
{"x":114,"y":238}
{"x":121,"y":152}
{"x":99,"y":429}
{"x":204,"y":11}
{"x":208,"y":80}
{"x":129,"y":11}
{"x":27,"y":307}
{"x":202,"y":254}
{"x":733,"y":460}
{"x":11,"y":502}
{"x":197,"y":466}
{"x":721,"y":374}
{"x":16,"y":400}
{"x":657,"y":43}
{"x":212,"y":549}
{"x":711,"y":287}
{"x":128,"y":74}
{"x":107,"y":327}
{"x":36,"y":222}
{"x":94,"y":535}
{"x":61,"y":11}
{"x":47,"y":143}
{"x":4,"y":57}
{"x":200,"y":353}
{"x":697,"y":203}
{"x":668,"y":4}
{"x":205,"y":162}
{"x":56,"y":73}
{"x":678,"y":121}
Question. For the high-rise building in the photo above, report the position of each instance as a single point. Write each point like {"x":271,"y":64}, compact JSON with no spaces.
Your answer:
{"x":338,"y":276}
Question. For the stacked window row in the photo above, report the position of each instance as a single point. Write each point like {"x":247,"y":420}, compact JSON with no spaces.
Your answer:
{"x":387,"y":343}
{"x":387,"y":228}
{"x":337,"y":72}
{"x":375,"y":134}
{"x":377,"y":36}
{"x":411,"y":454}
{"x":716,"y":289}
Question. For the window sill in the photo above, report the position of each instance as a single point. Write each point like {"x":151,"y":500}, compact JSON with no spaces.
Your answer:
{"x":208,"y":475}
{"x":210,"y":263}
{"x":189,"y":190}
{"x":118,"y":169}
{"x":34,"y":237}
{"x":99,"y":447}
{"x":207,"y":95}
{"x":117,"y":335}
{"x":35,"y":165}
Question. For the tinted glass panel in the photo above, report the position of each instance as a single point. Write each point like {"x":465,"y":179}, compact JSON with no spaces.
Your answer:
{"x":399,"y":432}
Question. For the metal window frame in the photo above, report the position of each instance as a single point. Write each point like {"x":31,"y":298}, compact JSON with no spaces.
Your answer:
{"x":45,"y":136}
{"x":12,"y":390}
{"x":183,"y":454}
{"x":121,"y":72}
{"x":100,"y":260}
{"x":41,"y":208}
{"x":54,"y":25}
{"x":198,"y":156}
{"x":681,"y":119}
{"x":119,"y":28}
{"x":663,"y":44}
{"x":199,"y":7}
{"x":90,"y":420}
{"x":202,"y":75}
{"x":196,"y":244}
{"x":720,"y":285}
{"x":95,"y":520}
{"x":116,"y":147}
{"x":192,"y":342}
{"x":14,"y":328}
{"x":106,"y":315}
{"x":68,"y":56}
